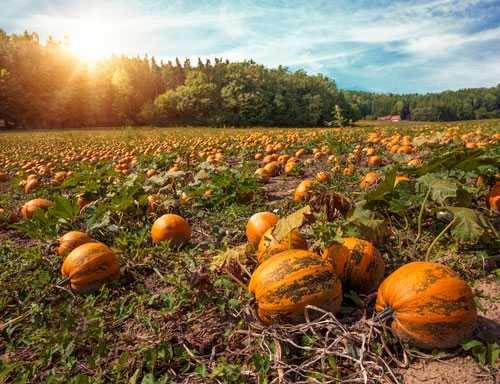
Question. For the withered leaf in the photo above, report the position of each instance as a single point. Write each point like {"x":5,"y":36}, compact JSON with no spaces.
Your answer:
{"x":293,"y":221}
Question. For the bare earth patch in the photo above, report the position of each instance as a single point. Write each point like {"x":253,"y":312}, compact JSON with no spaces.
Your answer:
{"x":463,"y":370}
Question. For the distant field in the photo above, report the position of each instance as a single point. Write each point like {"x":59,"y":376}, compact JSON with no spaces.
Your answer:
{"x":415,"y":191}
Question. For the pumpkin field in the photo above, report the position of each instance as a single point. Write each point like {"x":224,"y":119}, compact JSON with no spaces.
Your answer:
{"x":367,"y":254}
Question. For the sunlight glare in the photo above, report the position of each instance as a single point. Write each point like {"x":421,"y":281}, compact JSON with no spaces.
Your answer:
{"x":90,"y":38}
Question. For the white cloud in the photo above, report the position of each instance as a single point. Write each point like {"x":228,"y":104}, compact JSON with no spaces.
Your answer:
{"x":412,"y":40}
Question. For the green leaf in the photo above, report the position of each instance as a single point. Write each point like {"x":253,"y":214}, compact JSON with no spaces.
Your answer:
{"x":440,"y":188}
{"x":472,"y":344}
{"x":64,"y":208}
{"x":493,"y":353}
{"x":361,"y":216}
{"x":448,"y":160}
{"x":384,"y":188}
{"x":467,"y":225}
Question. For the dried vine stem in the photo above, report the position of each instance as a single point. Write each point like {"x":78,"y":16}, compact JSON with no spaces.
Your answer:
{"x":350,"y":346}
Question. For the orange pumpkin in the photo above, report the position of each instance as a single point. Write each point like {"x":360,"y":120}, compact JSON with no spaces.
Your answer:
{"x":71,"y":240}
{"x":286,"y":283}
{"x":258,"y":224}
{"x":31,"y":184}
{"x":399,"y":179}
{"x":369,"y":179}
{"x":430,"y":306}
{"x":269,"y":246}
{"x":494,"y":197}
{"x":322,"y":177}
{"x":302,"y":189}
{"x":374,"y":161}
{"x":271,"y":168}
{"x":89,"y":266}
{"x":28,"y":209}
{"x":171,"y":227}
{"x":357,"y":263}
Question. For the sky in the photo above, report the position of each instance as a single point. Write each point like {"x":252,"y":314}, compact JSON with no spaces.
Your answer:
{"x":398,"y":46}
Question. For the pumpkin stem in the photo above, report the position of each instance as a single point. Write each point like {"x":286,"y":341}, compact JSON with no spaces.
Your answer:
{"x":63,"y":281}
{"x":451,"y":223}
{"x":386,"y":314}
{"x":420,"y":215}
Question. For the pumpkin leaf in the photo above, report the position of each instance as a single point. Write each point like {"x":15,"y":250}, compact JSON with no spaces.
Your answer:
{"x":64,"y":208}
{"x":236,"y":253}
{"x":440,"y":188}
{"x":363,"y":217}
{"x":385,"y":187}
{"x":467,"y":225}
{"x":287,"y":224}
{"x":449,"y":160}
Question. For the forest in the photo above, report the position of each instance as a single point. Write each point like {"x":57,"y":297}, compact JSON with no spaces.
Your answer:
{"x":464,"y":104}
{"x":43,"y":85}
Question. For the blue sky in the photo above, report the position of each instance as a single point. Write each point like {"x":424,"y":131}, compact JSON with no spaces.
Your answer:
{"x":380,"y":45}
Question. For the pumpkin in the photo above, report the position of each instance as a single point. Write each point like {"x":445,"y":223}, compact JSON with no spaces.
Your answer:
{"x":269,"y":246}
{"x":271,"y":168}
{"x":374,"y":161}
{"x":430,"y":306}
{"x":28,"y":209}
{"x":302,"y":189}
{"x":357,"y":263}
{"x":89,"y":266}
{"x":322,"y":177}
{"x":258,"y":224}
{"x":261,"y":174}
{"x":494,"y":198}
{"x":290,"y":166}
{"x":171,"y":227}
{"x":71,"y":240}
{"x":399,"y":179}
{"x":31,"y":184}
{"x":369,"y":179}
{"x":284,"y":284}
{"x":151,"y":172}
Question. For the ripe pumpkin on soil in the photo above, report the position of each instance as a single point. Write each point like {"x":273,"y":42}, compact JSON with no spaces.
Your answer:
{"x":322,"y":177}
{"x":171,"y":227}
{"x":369,"y":179}
{"x":285,"y":284}
{"x":494,"y":198}
{"x":89,"y":266}
{"x":31,"y":206}
{"x":399,"y":179}
{"x":72,"y":240}
{"x":430,"y":306}
{"x":269,"y":246}
{"x":302,"y":189}
{"x":258,"y":224}
{"x":374,"y":161}
{"x":357,"y":263}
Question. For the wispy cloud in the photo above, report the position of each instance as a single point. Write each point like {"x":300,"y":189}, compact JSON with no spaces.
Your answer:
{"x":381,"y":45}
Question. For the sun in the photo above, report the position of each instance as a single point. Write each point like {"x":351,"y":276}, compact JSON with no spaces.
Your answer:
{"x":90,"y":38}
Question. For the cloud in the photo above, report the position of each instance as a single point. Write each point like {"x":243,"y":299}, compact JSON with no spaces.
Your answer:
{"x":396,"y":46}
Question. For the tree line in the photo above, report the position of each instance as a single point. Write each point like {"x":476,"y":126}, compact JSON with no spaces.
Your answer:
{"x":43,"y":85}
{"x":464,"y":104}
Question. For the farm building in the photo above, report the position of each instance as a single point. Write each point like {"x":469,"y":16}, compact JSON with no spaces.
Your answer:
{"x":394,"y":118}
